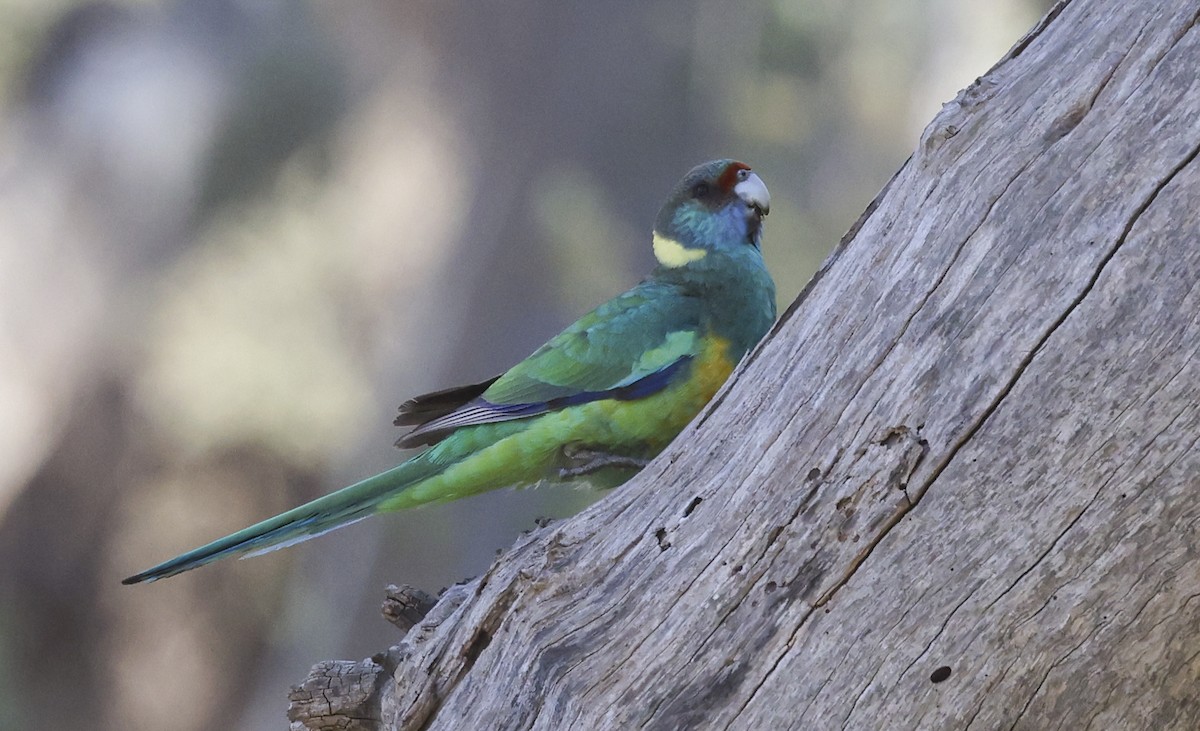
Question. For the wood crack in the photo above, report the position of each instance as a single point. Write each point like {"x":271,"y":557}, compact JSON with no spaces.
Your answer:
{"x":945,"y":623}
{"x":1032,"y":35}
{"x":1053,"y":666}
{"x":875,"y":673}
{"x":1025,"y":362}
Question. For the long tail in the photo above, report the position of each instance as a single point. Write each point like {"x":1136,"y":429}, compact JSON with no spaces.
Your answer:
{"x":322,"y":515}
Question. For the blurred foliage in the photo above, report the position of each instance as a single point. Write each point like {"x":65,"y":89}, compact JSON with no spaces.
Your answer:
{"x":573,"y":212}
{"x":261,"y":332}
{"x":233,"y":236}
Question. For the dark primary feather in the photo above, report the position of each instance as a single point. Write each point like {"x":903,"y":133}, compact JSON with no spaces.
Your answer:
{"x":423,"y":408}
{"x":470,"y":413}
{"x":429,"y":407}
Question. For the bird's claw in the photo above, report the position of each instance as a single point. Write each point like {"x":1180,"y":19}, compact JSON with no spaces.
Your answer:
{"x":582,"y":461}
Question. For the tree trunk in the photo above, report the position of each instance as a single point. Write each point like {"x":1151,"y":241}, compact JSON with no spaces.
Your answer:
{"x":956,"y":487}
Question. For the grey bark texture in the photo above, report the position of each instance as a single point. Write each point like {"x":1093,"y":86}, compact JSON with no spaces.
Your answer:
{"x":957,"y":487}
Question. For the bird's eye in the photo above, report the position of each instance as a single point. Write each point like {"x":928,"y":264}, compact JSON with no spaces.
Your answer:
{"x":699,"y":190}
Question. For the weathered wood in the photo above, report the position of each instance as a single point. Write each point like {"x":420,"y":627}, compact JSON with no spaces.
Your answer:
{"x":958,"y":485}
{"x":404,"y":606}
{"x":339,"y":694}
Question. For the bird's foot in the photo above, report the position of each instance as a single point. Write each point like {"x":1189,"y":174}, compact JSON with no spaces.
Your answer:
{"x":582,"y":461}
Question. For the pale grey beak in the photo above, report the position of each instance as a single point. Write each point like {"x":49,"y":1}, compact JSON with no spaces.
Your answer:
{"x":753,"y":191}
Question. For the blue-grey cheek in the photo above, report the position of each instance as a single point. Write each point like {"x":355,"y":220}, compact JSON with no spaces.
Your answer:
{"x":739,"y":219}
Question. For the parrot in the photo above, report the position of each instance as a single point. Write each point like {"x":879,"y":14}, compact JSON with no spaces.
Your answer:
{"x":594,"y":404}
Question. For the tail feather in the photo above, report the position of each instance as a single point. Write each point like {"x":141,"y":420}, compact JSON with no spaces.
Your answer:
{"x":346,"y":506}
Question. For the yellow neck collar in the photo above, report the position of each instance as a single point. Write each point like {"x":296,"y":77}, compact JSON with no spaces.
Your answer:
{"x":670,"y":253}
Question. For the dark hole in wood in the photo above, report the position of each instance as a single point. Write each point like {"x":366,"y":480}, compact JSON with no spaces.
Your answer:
{"x":479,"y":643}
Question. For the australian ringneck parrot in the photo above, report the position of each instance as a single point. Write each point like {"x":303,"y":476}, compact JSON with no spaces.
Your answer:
{"x":596,"y":402}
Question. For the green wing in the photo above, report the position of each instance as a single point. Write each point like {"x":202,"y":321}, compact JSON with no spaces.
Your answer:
{"x":629,"y":347}
{"x":626,"y":339}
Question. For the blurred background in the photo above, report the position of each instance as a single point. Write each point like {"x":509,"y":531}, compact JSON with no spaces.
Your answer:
{"x":235,"y":235}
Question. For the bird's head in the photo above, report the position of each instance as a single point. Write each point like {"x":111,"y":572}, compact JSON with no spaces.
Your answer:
{"x":717,"y":207}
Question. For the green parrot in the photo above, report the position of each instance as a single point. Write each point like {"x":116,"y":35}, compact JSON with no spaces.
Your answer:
{"x":598,"y":401}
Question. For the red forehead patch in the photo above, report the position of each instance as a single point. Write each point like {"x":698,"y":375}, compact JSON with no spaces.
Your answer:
{"x":728,"y":177}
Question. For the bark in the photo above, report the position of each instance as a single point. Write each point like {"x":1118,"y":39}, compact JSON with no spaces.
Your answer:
{"x":957,"y":486}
